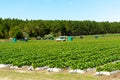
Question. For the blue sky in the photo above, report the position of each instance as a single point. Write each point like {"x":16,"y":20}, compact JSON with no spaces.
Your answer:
{"x":98,"y":10}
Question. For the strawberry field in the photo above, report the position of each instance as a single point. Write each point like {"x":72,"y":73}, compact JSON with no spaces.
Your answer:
{"x":78,"y":54}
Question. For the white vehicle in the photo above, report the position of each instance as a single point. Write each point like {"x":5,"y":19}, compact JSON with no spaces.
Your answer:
{"x":61,"y":38}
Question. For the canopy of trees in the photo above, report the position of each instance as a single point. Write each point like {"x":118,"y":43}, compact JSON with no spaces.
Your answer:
{"x":33,"y":28}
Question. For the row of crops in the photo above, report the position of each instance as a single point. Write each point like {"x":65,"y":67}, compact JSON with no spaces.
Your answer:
{"x":110,"y":67}
{"x":78,"y":54}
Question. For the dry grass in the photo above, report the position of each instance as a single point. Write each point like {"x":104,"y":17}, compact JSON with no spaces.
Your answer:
{"x":43,"y":75}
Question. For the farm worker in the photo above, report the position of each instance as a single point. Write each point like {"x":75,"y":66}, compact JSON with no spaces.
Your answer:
{"x":14,"y":40}
{"x":81,"y":36}
{"x":26,"y":39}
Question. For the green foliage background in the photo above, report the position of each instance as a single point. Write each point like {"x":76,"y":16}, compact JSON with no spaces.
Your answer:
{"x":34,"y":28}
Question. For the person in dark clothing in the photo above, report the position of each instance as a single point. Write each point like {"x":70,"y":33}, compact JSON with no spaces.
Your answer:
{"x":26,"y":39}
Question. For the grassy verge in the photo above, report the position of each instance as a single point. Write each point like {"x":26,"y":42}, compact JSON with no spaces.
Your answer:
{"x":13,"y":75}
{"x":43,"y":75}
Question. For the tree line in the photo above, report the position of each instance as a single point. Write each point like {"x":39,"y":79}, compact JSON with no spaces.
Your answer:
{"x":32,"y":28}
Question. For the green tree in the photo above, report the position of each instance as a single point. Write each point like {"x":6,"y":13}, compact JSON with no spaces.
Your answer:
{"x":16,"y":33}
